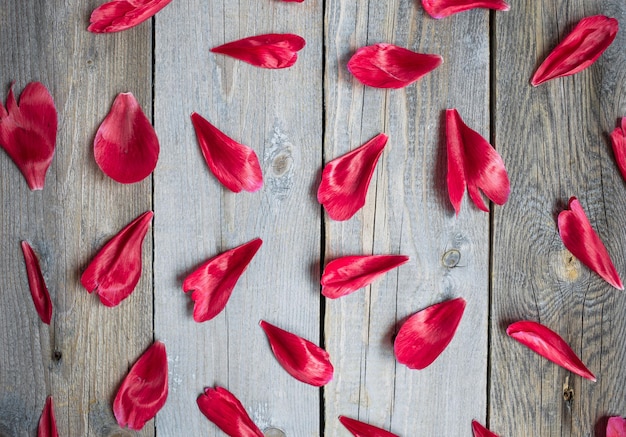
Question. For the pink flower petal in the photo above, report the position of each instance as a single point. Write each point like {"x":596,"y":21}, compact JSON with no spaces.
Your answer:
{"x":345,"y":179}
{"x":223,"y":409}
{"x":581,"y":48}
{"x":38,"y":289}
{"x":115,"y":271}
{"x":144,"y":390}
{"x":272,"y":50}
{"x":28,"y":132}
{"x":123,"y":14}
{"x":126,"y":147}
{"x":236,"y":166}
{"x":618,"y":140}
{"x":349,"y":273}
{"x":548,"y":344}
{"x":444,"y":8}
{"x":47,"y":422}
{"x":212,"y":283}
{"x":582,"y":241}
{"x":361,"y":429}
{"x":390,"y":66}
{"x":481,"y":431}
{"x":302,"y":359}
{"x":425,"y":335}
{"x":616,"y":427}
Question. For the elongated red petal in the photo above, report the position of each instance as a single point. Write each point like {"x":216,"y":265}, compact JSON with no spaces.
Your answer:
{"x":444,"y":8}
{"x":28,"y":132}
{"x":349,"y":273}
{"x":618,"y":140}
{"x":302,"y":359}
{"x":223,"y":409}
{"x":616,"y":427}
{"x":481,"y":431}
{"x":362,"y":429}
{"x":38,"y":289}
{"x":273,"y":50}
{"x":47,"y":422}
{"x":582,"y":241}
{"x":212,"y":283}
{"x":345,"y":179}
{"x":474,"y":163}
{"x":548,"y":344}
{"x":120,"y":15}
{"x":115,"y":271}
{"x":236,"y":166}
{"x":425,"y":335}
{"x":390,"y":66}
{"x":144,"y":390}
{"x":126,"y":146}
{"x":581,"y":48}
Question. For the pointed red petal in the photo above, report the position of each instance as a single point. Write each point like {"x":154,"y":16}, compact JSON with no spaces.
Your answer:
{"x":28,"y":132}
{"x":618,"y":140}
{"x":223,"y":409}
{"x":236,"y":166}
{"x":47,"y":422}
{"x":548,"y":344}
{"x":212,"y":283}
{"x":582,"y":241}
{"x":481,"y":431}
{"x":302,"y":359}
{"x":126,"y":147}
{"x":114,"y":272}
{"x":144,"y":390}
{"x":390,"y":66}
{"x":272,"y":50}
{"x":444,"y":8}
{"x":349,"y":273}
{"x":38,"y":289}
{"x":361,"y":429}
{"x":123,"y":14}
{"x":345,"y":179}
{"x":581,"y":48}
{"x":616,"y":427}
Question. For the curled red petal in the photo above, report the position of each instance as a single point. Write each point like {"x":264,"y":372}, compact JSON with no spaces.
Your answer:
{"x":618,"y":140}
{"x":38,"y":289}
{"x":126,"y":146}
{"x":345,"y":179}
{"x":223,"y":409}
{"x":581,"y":48}
{"x":425,"y":335}
{"x":444,"y":8}
{"x":616,"y":427}
{"x":349,"y":273}
{"x":28,"y":132}
{"x":548,"y":344}
{"x":390,"y":66}
{"x":120,"y":15}
{"x":212,"y":283}
{"x":362,"y":429}
{"x":236,"y":166}
{"x":481,"y":431}
{"x":582,"y":241}
{"x":115,"y":271}
{"x":47,"y":422}
{"x":273,"y":50}
{"x":144,"y":390}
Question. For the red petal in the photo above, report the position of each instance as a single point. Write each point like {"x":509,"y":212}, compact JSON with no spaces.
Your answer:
{"x":272,"y":50}
{"x":212,"y":283}
{"x":236,"y":166}
{"x":361,"y":429}
{"x":223,"y":409}
{"x":123,"y":14}
{"x":345,"y":275}
{"x":444,"y":8}
{"x":302,"y":359}
{"x":616,"y":427}
{"x":390,"y":66}
{"x":114,"y":272}
{"x":548,"y":344}
{"x":38,"y":289}
{"x":481,"y":431}
{"x":126,"y":147}
{"x":618,"y":139}
{"x":144,"y":390}
{"x":589,"y":39}
{"x":345,"y":179}
{"x":28,"y":132}
{"x":424,"y":336}
{"x":582,"y":241}
{"x":472,"y":161}
{"x":47,"y":422}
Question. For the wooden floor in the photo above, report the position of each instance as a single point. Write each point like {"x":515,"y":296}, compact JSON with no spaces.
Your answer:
{"x":509,"y":264}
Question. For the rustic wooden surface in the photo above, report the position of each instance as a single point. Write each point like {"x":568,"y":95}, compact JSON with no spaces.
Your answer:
{"x":509,"y":265}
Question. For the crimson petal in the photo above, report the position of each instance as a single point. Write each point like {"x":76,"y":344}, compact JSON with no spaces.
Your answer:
{"x":115,"y":271}
{"x":120,"y":15}
{"x":481,"y":431}
{"x":272,"y":50}
{"x":616,"y":427}
{"x":47,"y":422}
{"x":302,"y":359}
{"x":548,"y":344}
{"x":28,"y":132}
{"x":582,"y":241}
{"x":349,"y":273}
{"x":618,"y":140}
{"x":223,"y":409}
{"x":345,"y":179}
{"x":444,"y":8}
{"x":38,"y":289}
{"x":581,"y":48}
{"x":361,"y":429}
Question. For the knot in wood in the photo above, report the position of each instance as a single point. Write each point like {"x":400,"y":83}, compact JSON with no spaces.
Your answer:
{"x":274,"y":432}
{"x":451,"y":258}
{"x":567,"y":266}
